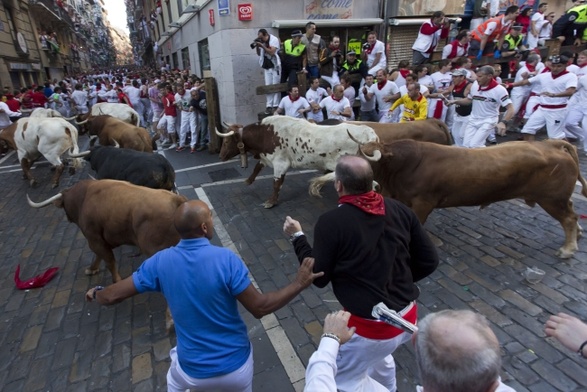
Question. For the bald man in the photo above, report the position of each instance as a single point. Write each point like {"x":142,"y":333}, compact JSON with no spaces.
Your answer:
{"x":457,"y":351}
{"x":202,"y":284}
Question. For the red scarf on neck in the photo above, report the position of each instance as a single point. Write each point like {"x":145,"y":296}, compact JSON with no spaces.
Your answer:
{"x":455,"y":46}
{"x":380,"y":85}
{"x":293,"y":100}
{"x":560,"y":74}
{"x":370,"y":202}
{"x":371,"y":47}
{"x":545,"y":70}
{"x":531,"y":67}
{"x":492,"y":83}
{"x":458,"y":88}
{"x":334,"y":98}
{"x":404,"y":72}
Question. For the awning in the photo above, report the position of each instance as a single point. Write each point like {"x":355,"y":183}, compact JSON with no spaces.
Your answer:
{"x":290,"y":23}
{"x":413,"y":22}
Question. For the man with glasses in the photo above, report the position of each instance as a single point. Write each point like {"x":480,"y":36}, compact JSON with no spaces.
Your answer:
{"x":557,"y":87}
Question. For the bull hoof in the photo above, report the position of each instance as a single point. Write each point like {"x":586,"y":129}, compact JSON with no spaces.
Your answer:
{"x":564,"y":253}
{"x":268,"y":205}
{"x":90,"y":272}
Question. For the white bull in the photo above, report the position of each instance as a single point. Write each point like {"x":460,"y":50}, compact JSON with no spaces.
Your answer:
{"x":33,"y":137}
{"x":284,"y":142}
{"x":119,"y":110}
{"x":45,"y":113}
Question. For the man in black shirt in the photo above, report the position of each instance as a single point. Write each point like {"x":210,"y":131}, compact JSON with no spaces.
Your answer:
{"x":372,"y":249}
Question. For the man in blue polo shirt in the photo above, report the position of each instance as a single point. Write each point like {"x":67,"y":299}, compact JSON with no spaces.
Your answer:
{"x":202,"y":283}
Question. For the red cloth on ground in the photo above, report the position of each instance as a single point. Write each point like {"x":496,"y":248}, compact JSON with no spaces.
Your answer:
{"x":37,"y":281}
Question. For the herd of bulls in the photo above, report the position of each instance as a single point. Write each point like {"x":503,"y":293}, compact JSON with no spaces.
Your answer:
{"x":413,"y":162}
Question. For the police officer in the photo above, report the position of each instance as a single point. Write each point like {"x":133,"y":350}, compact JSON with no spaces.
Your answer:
{"x":354,"y":67}
{"x":569,"y":27}
{"x":294,"y":58}
{"x":512,"y":42}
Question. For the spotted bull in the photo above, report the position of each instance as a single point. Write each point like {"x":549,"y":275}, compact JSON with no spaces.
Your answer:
{"x":284,"y":142}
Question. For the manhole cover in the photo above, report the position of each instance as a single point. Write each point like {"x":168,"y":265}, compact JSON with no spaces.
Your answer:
{"x":224,"y":174}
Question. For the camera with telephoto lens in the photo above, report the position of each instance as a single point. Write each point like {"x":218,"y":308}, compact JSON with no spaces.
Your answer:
{"x":366,"y":46}
{"x":254,"y":44}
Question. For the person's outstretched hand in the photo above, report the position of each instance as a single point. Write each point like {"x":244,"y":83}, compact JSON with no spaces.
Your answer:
{"x":337,"y":324}
{"x":291,"y":226}
{"x":568,"y":330}
{"x":306,"y":275}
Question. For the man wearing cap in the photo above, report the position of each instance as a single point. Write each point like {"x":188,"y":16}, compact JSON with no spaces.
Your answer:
{"x":558,"y":86}
{"x":354,"y":67}
{"x":512,"y":42}
{"x":568,"y":29}
{"x":294,"y":59}
{"x":461,"y":88}
{"x":493,"y":29}
{"x":486,"y":97}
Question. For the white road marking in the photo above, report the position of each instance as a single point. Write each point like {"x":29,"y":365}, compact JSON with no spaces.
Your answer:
{"x":7,"y":156}
{"x":287,"y":355}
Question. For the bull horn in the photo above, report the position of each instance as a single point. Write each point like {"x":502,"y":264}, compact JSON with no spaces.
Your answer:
{"x":224,"y":134}
{"x":376,"y":154}
{"x":70,"y":118}
{"x":81,"y":154}
{"x":82,"y":122}
{"x":227,"y":125}
{"x":43,"y":203}
{"x":116,"y":145}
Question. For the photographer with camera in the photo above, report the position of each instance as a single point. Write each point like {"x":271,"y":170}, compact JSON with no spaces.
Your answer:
{"x":429,"y":35}
{"x":267,"y":47}
{"x":293,"y":59}
{"x":373,"y":53}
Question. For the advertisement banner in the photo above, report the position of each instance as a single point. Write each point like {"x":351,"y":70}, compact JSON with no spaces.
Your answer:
{"x":245,"y":11}
{"x":328,"y":9}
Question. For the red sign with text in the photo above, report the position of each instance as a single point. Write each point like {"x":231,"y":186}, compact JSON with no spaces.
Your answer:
{"x":212,"y":21}
{"x":245,"y":11}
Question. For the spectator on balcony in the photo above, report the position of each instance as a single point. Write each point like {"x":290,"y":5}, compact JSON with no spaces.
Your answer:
{"x":43,"y":38}
{"x":459,"y":47}
{"x":482,"y":38}
{"x":431,"y":32}
{"x":53,"y":45}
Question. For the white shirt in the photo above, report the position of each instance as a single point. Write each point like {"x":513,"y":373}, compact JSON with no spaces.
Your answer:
{"x":426,"y":81}
{"x":184,"y":100}
{"x":522,"y":90}
{"x":315,"y":96}
{"x":274,"y":42}
{"x":335,"y":106}
{"x":538,"y":20}
{"x":133,"y":93}
{"x":446,"y":51}
{"x":441,"y":81}
{"x":80,"y":99}
{"x":486,"y":103}
{"x":4,"y":120}
{"x":322,"y":367}
{"x":390,"y":88}
{"x":291,"y":108}
{"x":577,"y":70}
{"x":581,"y":94}
{"x":403,"y":90}
{"x":350,"y":94}
{"x":558,"y":84}
{"x":378,"y":48}
{"x":546,"y":30}
{"x":369,"y":105}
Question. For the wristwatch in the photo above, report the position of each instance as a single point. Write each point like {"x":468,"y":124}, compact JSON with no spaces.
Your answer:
{"x":295,"y":236}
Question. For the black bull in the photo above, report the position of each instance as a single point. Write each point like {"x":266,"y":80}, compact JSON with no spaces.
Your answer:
{"x":139,"y":168}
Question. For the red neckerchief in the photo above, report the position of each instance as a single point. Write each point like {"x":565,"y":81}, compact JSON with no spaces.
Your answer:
{"x":370,"y":202}
{"x":420,"y":97}
{"x":337,"y":100}
{"x":581,"y":66}
{"x":404,"y":72}
{"x":545,"y":70}
{"x":560,"y":74}
{"x":455,"y":46}
{"x":492,"y":83}
{"x":380,"y":85}
{"x":293,"y":100}
{"x":459,"y":87}
{"x":531,"y":67}
{"x":332,"y":48}
{"x":370,"y":49}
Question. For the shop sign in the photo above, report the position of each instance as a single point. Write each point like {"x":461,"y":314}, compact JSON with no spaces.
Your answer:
{"x":328,"y":9}
{"x":245,"y":11}
{"x":223,"y":7}
{"x":25,"y":66}
{"x":212,"y":20}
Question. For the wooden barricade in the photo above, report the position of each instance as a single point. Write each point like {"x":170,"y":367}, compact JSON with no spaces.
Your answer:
{"x":213,"y":107}
{"x":282,"y":88}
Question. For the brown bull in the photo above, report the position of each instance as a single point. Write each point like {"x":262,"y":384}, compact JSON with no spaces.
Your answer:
{"x":111,"y":131}
{"x":431,"y":130}
{"x":112,"y":213}
{"x":426,"y":176}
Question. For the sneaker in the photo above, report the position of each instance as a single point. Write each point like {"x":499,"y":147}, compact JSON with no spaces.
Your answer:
{"x":192,"y":150}
{"x":180,"y":148}
{"x":201,"y":148}
{"x":171,"y":147}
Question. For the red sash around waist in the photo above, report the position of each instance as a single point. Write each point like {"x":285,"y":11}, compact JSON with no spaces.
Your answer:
{"x":380,"y":330}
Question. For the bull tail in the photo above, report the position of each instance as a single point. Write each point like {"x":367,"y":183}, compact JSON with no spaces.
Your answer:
{"x":317,"y":183}
{"x":572,"y":151}
{"x":446,"y":131}
{"x":74,"y":149}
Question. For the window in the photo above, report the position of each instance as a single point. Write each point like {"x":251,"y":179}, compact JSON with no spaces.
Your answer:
{"x":204,"y":56}
{"x":175,"y":62}
{"x":185,"y":58}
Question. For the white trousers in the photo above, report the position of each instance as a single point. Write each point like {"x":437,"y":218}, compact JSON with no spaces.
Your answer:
{"x":272,"y":77}
{"x":532,"y":103}
{"x":576,"y":124}
{"x":332,"y":80}
{"x":167,"y":123}
{"x":385,"y":117}
{"x":366,"y":365}
{"x":554,"y":119}
{"x":187,"y":125}
{"x":432,"y":103}
{"x":477,"y":131}
{"x":518,"y":100}
{"x":241,"y":380}
{"x":458,"y":128}
{"x":532,"y":41}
